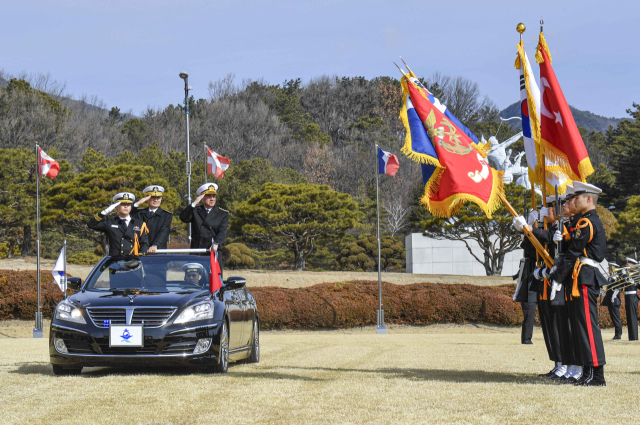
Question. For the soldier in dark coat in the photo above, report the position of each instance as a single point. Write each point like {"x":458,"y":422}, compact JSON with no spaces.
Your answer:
{"x":585,"y":251}
{"x":613,"y":301}
{"x":126,"y":235}
{"x":208,"y":221}
{"x":158,"y":220}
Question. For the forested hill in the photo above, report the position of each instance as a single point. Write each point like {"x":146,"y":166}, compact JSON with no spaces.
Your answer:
{"x":585,"y":119}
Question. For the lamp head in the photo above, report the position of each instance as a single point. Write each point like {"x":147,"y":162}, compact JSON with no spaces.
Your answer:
{"x":184,"y":75}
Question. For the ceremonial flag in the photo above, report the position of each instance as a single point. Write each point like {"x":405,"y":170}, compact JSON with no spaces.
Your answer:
{"x":454,"y":166}
{"x":216,"y":164}
{"x":530,"y":114}
{"x":559,"y":133}
{"x":59,"y":271}
{"x":387,"y":163}
{"x":215,"y":282}
{"x":48,"y":166}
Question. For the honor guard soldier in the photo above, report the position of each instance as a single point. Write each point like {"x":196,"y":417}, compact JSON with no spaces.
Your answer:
{"x":631,"y":306}
{"x":580,"y":262}
{"x":208,"y":221}
{"x":613,"y":301}
{"x":158,"y":220}
{"x":126,"y":235}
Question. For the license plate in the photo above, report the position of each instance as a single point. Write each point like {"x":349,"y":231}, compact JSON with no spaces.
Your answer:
{"x":126,"y":336}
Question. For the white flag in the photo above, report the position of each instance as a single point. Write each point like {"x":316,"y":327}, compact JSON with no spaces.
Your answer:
{"x":58,"y":271}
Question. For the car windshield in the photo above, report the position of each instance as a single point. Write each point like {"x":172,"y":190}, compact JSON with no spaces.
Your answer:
{"x":154,"y":273}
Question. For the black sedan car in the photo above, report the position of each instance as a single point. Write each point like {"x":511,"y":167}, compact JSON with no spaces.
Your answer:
{"x":154,"y":310}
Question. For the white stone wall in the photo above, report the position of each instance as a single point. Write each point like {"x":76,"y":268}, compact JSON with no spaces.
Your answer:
{"x":433,"y":256}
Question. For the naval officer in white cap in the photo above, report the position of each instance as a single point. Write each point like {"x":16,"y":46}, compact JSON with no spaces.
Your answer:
{"x":158,"y":220}
{"x":126,"y":235}
{"x":208,"y":221}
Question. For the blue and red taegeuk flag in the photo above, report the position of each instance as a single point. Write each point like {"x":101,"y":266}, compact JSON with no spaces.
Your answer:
{"x":454,"y":165}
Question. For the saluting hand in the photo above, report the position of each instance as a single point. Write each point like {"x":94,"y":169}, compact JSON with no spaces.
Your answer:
{"x":142,"y":201}
{"x":197,"y":201}
{"x":110,"y":208}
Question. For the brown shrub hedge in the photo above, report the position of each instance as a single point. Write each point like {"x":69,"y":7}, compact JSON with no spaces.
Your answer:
{"x":327,"y":305}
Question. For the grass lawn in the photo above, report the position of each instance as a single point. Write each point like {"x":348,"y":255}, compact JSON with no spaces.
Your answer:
{"x":434,"y":374}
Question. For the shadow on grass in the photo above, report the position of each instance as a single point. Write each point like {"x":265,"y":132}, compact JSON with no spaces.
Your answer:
{"x":42,"y":368}
{"x":461,"y":376}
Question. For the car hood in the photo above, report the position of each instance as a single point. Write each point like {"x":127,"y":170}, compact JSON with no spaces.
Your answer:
{"x":120,"y":299}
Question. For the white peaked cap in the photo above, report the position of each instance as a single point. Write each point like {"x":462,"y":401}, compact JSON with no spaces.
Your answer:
{"x":125,"y":198}
{"x":580,"y":188}
{"x":207,"y":189}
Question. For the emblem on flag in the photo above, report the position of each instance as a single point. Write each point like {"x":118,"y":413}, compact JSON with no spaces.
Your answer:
{"x":216,"y":164}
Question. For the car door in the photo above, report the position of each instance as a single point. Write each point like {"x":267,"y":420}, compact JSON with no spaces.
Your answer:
{"x":236,"y":317}
{"x":247,"y":330}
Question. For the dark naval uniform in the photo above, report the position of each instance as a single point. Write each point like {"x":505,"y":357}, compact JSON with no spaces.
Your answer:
{"x":121,"y":238}
{"x":631,"y":308}
{"x":585,"y":249}
{"x":206,"y":226}
{"x":613,"y":301}
{"x":158,"y":223}
{"x":527,"y":293}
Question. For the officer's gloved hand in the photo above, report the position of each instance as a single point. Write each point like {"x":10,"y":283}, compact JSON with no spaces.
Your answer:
{"x":602,"y":293}
{"x":536,"y":273}
{"x":110,"y":208}
{"x":519,"y":222}
{"x":546,"y":273}
{"x":544,"y":212}
{"x":533,"y":217}
{"x":557,"y":236}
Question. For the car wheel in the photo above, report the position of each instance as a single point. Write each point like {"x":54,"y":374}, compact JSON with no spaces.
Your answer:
{"x":62,"y":371}
{"x":255,"y":345}
{"x":223,"y":365}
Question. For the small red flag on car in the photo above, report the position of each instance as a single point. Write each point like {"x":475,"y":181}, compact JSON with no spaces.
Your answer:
{"x":215,"y":282}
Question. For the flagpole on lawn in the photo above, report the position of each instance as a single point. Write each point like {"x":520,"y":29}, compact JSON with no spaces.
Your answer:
{"x":64,"y":269}
{"x":185,"y":77}
{"x":381,"y":328}
{"x":206,"y":162}
{"x":37,"y":330}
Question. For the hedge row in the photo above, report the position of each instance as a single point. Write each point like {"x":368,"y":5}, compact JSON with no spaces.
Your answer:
{"x":327,"y":305}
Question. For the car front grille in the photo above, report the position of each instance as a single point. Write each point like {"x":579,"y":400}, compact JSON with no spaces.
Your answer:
{"x":78,"y":347}
{"x":127,"y":351}
{"x":117,"y":316}
{"x":185,"y":347}
{"x":151,"y":317}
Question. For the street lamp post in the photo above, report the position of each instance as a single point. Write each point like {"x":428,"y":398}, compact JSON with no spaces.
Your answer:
{"x":185,"y":77}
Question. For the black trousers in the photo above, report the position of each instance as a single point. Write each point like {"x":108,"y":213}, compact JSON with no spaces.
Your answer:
{"x":585,"y":327}
{"x":529,"y":313}
{"x":549,"y":329}
{"x":631,"y":307}
{"x":614,"y":313}
{"x":563,"y":325}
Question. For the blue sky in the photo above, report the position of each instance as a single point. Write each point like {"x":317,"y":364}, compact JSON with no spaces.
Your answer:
{"x":129,"y":53}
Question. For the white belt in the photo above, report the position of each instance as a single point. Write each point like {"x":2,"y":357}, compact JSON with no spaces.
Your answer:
{"x":630,"y":292}
{"x":589,"y":262}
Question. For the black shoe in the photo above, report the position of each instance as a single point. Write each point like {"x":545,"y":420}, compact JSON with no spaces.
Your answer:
{"x":587,"y":375}
{"x":595,"y":383}
{"x":617,"y":337}
{"x":528,"y":342}
{"x":548,"y":374}
{"x":557,"y":378}
{"x":572,"y":380}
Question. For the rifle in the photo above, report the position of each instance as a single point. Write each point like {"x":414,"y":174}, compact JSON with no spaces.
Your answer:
{"x":555,"y":286}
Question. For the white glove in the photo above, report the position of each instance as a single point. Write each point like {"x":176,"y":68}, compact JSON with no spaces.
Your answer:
{"x":544,"y":212}
{"x":533,"y":217}
{"x":602,"y":293}
{"x":519,"y":222}
{"x":546,"y":272}
{"x":555,"y":288}
{"x":110,"y":208}
{"x":536,"y":273}
{"x":557,"y":236}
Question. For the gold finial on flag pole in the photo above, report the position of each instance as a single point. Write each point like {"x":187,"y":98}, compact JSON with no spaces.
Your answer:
{"x":521,"y":28}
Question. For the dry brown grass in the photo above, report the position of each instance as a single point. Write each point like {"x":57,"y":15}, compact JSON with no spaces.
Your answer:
{"x":291,"y":279}
{"x":434,"y":374}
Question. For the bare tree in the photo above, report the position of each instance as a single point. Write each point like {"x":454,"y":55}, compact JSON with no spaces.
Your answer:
{"x":396,"y":214}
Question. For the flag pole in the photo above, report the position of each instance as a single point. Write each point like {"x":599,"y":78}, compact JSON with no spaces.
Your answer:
{"x":206,"y":161}
{"x":37,"y":331}
{"x":381,"y":328}
{"x":64,"y":269}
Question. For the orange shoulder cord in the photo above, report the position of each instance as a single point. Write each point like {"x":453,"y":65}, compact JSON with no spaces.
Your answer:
{"x":582,"y":223}
{"x":136,"y":242}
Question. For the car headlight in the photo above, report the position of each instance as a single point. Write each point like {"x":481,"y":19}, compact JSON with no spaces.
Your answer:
{"x":200,"y":311}
{"x":70,"y":313}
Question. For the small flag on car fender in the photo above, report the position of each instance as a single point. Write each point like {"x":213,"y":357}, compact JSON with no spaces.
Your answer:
{"x":215,"y":282}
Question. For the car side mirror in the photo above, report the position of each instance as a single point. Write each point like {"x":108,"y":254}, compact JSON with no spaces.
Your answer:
{"x":74,"y":283}
{"x":236,"y":282}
